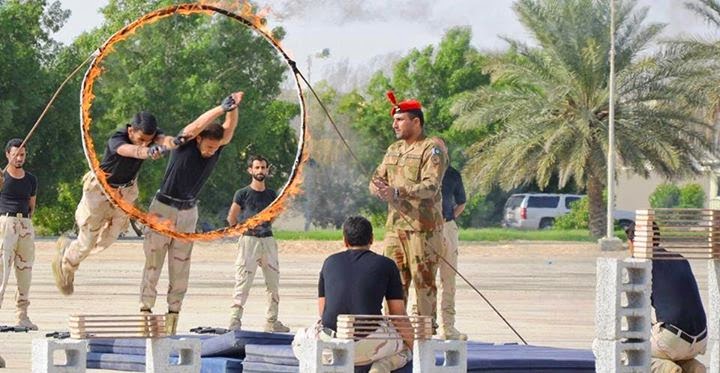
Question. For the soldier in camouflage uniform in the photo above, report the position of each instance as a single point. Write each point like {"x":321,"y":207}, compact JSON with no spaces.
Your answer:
{"x":99,"y":222}
{"x":409,"y":179}
{"x":191,"y":163}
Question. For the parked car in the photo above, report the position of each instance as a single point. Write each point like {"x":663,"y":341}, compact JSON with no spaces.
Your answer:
{"x":539,"y":210}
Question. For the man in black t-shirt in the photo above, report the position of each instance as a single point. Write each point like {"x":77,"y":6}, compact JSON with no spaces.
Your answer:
{"x":99,"y":222}
{"x":256,"y":248}
{"x":17,"y":204}
{"x":355,"y":282}
{"x":679,"y":330}
{"x":191,"y":163}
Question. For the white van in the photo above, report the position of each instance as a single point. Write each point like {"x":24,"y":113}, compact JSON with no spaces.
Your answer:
{"x":539,"y":210}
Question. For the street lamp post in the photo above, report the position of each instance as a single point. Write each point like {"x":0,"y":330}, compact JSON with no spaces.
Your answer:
{"x":610,"y":242}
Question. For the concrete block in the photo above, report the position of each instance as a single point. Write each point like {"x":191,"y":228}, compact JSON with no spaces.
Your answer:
{"x":334,"y":356}
{"x":43,"y":355}
{"x":622,"y":300}
{"x":610,"y":244}
{"x":424,"y":356}
{"x":713,"y":299}
{"x":621,"y":357}
{"x":714,"y":346}
{"x":159,"y":350}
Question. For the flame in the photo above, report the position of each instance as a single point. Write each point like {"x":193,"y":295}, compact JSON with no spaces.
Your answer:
{"x":243,"y":12}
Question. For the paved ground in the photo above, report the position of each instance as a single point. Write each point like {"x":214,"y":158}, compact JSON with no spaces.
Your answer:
{"x":546,"y":291}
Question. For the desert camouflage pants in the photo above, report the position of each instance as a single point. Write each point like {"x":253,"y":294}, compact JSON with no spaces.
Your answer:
{"x":367,"y":350}
{"x":414,"y":254}
{"x":99,"y":222}
{"x":672,"y":354}
{"x":254,"y":252}
{"x":18,"y":251}
{"x":446,"y":287}
{"x":157,"y":246}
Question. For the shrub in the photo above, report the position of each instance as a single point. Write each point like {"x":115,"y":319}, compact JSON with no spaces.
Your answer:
{"x":577,"y":218}
{"x":665,"y":196}
{"x":691,"y":196}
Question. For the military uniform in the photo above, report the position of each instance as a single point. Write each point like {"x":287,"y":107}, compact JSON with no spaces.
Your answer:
{"x":17,"y":235}
{"x":99,"y":222}
{"x":415,"y":223}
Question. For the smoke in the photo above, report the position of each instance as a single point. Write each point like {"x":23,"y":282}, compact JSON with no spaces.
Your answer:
{"x":341,"y":12}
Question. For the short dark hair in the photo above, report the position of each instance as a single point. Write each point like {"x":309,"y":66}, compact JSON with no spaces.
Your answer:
{"x":257,"y":157}
{"x":13,"y":143}
{"x":630,"y":233}
{"x":416,"y":114}
{"x":357,"y":231}
{"x":145,"y":122}
{"x":214,"y":131}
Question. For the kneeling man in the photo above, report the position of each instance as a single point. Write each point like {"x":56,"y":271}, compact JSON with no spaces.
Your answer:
{"x":355,"y":282}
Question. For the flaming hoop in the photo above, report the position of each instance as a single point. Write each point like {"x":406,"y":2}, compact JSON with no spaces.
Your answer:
{"x":245,"y":17}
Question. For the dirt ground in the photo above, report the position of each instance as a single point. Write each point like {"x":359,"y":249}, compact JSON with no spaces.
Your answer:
{"x":545,"y":290}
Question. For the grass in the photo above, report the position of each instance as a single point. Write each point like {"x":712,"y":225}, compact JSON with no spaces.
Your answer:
{"x":475,"y":234}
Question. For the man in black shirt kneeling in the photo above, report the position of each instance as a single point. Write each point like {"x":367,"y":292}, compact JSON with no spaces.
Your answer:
{"x":355,"y":282}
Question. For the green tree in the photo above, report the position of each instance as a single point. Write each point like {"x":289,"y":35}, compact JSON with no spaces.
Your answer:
{"x":691,"y":196}
{"x":552,"y":107}
{"x":665,"y":196}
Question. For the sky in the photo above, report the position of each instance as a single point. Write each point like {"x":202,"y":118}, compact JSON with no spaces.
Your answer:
{"x":361,"y":33}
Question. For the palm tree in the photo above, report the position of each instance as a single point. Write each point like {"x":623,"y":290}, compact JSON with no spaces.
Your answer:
{"x":549,"y":103}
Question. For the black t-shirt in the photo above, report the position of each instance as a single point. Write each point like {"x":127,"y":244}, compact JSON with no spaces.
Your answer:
{"x":453,"y":193}
{"x":675,"y":295}
{"x":355,"y":282}
{"x":252,"y":202}
{"x":122,"y":170}
{"x":16,"y":193}
{"x":188,"y":171}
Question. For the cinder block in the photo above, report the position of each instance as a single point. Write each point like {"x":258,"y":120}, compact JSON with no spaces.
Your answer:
{"x":714,"y":299}
{"x":424,"y":356}
{"x":622,"y":300}
{"x":43,"y":351}
{"x":714,"y":346}
{"x":621,"y":357}
{"x":334,"y":356}
{"x":159,"y":350}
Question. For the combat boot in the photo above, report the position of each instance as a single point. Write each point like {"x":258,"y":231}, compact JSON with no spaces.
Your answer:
{"x":171,"y":321}
{"x":23,"y":319}
{"x":64,"y":278}
{"x":276,"y":326}
{"x":449,"y":332}
{"x":236,"y":318}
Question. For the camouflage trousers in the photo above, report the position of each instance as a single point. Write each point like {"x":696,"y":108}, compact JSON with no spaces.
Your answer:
{"x":446,"y":287}
{"x":18,"y":251}
{"x":367,"y":350}
{"x":415,"y":255}
{"x":157,"y":246}
{"x":99,"y":222}
{"x":254,"y":252}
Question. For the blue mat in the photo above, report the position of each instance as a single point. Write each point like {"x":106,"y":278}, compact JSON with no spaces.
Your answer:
{"x":482,"y":357}
{"x":232,"y":344}
{"x":136,"y":363}
{"x":129,"y":346}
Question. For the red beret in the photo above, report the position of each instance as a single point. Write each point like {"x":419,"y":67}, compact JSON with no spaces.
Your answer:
{"x":403,"y":106}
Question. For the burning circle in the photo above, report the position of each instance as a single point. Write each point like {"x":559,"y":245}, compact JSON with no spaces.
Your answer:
{"x":247,"y":18}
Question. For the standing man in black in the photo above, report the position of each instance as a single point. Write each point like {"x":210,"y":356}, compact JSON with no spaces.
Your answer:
{"x":679,"y":329}
{"x":453,"y":204}
{"x":355,"y":282}
{"x":256,"y":247}
{"x":191,"y":163}
{"x":17,"y":204}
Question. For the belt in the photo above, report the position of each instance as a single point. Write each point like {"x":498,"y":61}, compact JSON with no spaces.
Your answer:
{"x":14,"y":214}
{"x":685,"y":336}
{"x":126,"y":185}
{"x":180,"y":204}
{"x":258,"y":235}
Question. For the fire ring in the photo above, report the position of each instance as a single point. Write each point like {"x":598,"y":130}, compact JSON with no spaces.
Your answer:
{"x":291,"y":188}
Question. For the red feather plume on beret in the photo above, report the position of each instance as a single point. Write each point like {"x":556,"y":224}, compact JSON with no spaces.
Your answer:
{"x":403,"y":106}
